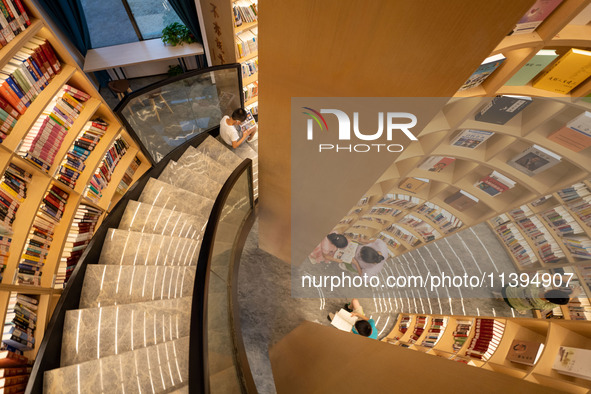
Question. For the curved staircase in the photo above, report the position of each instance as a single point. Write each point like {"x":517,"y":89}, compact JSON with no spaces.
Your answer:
{"x":131,"y":333}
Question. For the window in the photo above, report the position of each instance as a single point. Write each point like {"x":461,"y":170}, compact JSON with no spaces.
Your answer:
{"x":133,"y":20}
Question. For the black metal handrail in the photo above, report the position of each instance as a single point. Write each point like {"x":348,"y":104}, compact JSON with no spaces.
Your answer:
{"x":49,"y":354}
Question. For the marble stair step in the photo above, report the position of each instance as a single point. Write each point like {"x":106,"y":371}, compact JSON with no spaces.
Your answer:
{"x":124,"y":284}
{"x":158,"y":368}
{"x":218,"y":152}
{"x":95,"y":333}
{"x":188,"y":178}
{"x":123,"y":247}
{"x":147,"y":218}
{"x":203,"y":164}
{"x":164,"y":195}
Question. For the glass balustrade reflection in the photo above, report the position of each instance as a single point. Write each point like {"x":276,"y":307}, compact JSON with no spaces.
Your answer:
{"x":224,"y":372}
{"x":169,"y":114}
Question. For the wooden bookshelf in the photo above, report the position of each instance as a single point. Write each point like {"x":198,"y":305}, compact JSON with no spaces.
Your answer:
{"x":547,"y":113}
{"x":222,"y":33}
{"x":72,"y":75}
{"x":551,"y":333}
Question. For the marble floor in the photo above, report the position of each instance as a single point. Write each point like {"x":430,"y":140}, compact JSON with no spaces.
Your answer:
{"x":269,"y":311}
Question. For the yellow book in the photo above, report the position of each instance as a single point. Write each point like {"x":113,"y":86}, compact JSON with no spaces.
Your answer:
{"x":564,"y":75}
{"x":8,"y":189}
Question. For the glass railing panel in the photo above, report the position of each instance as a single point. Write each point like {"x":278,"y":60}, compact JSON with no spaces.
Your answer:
{"x":169,"y":113}
{"x":224,"y":374}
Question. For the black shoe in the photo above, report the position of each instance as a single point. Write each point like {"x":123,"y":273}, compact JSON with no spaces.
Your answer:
{"x":346,"y":307}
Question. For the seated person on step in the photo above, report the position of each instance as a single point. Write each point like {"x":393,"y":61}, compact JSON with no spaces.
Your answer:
{"x":230,"y":131}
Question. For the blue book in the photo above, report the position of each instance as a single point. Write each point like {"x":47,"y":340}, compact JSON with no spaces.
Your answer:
{"x":487,"y":67}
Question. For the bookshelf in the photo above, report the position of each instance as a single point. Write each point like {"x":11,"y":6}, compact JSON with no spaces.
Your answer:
{"x":551,"y":333}
{"x":232,"y":34}
{"x":547,"y":113}
{"x":42,"y":180}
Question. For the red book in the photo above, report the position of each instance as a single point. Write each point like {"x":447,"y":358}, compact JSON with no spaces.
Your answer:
{"x":11,"y":359}
{"x":9,"y":108}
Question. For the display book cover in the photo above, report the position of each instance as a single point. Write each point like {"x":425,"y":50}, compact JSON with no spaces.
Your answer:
{"x":461,"y":200}
{"x":566,"y":73}
{"x":495,"y":184}
{"x":573,"y":362}
{"x":535,"y":16}
{"x":413,"y":185}
{"x":487,"y":67}
{"x":436,"y":163}
{"x":532,"y":68}
{"x":471,"y":138}
{"x":534,"y":160}
{"x":502,"y":109}
{"x":576,"y":134}
{"x":525,"y":352}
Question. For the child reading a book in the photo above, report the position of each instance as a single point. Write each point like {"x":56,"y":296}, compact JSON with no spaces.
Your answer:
{"x":531,"y":297}
{"x":370,"y":258}
{"x":230,"y":131}
{"x":364,"y":326}
{"x":326,"y":249}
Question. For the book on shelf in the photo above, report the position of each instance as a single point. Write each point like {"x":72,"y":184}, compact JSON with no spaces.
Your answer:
{"x":578,"y":246}
{"x":20,"y":323}
{"x":436,"y":163}
{"x":74,"y":162}
{"x":413,"y":185}
{"x":532,"y":68}
{"x":81,"y":232}
{"x":251,"y":90}
{"x":535,"y":16}
{"x":487,"y":337}
{"x":246,"y":42}
{"x":26,"y":74}
{"x":44,"y":140}
{"x":583,"y":18}
{"x":461,"y":200}
{"x":343,"y":320}
{"x":502,"y":109}
{"x":420,"y":324}
{"x":41,"y":236}
{"x":244,"y":12}
{"x":438,"y":325}
{"x":404,"y":324}
{"x":14,"y":19}
{"x":573,"y":362}
{"x":534,"y":160}
{"x":102,"y":176}
{"x":525,"y":352}
{"x":128,"y":176}
{"x":13,"y":191}
{"x":249,"y":67}
{"x":461,"y":334}
{"x":566,"y":73}
{"x":10,"y":359}
{"x":576,"y":134}
{"x":495,"y":183}
{"x":471,"y":138}
{"x":487,"y":67}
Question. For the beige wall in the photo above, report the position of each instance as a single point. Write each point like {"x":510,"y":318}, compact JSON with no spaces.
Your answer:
{"x":345,"y":48}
